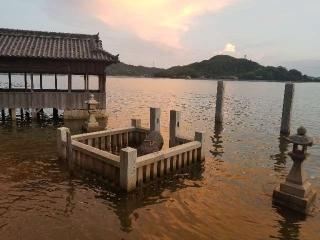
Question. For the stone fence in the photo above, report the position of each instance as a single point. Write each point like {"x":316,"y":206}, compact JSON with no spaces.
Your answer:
{"x":112,"y":154}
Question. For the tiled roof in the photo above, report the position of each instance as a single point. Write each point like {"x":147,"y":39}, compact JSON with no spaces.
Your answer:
{"x":52,"y":45}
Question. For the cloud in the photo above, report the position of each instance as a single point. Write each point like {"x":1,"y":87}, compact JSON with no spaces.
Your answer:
{"x":158,"y":21}
{"x":229,"y":48}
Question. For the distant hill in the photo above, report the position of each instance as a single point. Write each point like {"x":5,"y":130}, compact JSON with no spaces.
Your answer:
{"x":122,"y":69}
{"x":218,"y":67}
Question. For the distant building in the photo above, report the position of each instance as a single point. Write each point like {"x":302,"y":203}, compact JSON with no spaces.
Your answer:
{"x":52,"y":70}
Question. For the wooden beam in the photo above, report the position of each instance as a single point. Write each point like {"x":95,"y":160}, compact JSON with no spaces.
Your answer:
{"x":10,"y":84}
{"x":69,"y":82}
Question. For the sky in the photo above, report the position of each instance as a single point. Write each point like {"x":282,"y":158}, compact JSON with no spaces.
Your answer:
{"x":164,"y":33}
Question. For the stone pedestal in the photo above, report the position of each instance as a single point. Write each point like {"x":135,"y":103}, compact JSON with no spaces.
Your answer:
{"x":295,"y":197}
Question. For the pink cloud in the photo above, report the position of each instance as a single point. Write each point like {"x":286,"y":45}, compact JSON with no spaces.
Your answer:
{"x":159,"y":21}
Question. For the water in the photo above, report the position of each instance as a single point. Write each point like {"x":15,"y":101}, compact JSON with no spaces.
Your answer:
{"x":228,"y":197}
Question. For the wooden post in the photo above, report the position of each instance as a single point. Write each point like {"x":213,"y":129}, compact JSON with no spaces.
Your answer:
{"x":12,"y":113}
{"x":102,"y":83}
{"x":200,"y":137}
{"x":69,"y":83}
{"x":62,"y":142}
{"x":174,"y":127}
{"x":219,"y":102}
{"x":155,"y":119}
{"x":287,"y":107}
{"x":128,"y":169}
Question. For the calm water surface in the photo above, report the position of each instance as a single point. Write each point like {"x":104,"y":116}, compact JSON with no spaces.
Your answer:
{"x":228,"y":197}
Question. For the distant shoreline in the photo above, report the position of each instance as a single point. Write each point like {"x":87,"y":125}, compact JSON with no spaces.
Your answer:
{"x":214,"y":79}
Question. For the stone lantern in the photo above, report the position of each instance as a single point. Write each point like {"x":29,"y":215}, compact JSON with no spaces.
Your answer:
{"x":296,"y":192}
{"x":92,"y":124}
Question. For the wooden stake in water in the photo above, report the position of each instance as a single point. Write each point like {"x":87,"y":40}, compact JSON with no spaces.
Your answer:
{"x":287,"y":107}
{"x":219,"y":102}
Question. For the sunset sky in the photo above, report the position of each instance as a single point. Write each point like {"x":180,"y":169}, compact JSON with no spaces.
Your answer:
{"x":163,"y":33}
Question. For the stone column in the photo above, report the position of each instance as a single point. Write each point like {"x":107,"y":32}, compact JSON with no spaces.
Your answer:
{"x":128,"y":169}
{"x":155,"y":119}
{"x":219,"y":102}
{"x":62,"y":142}
{"x":174,"y":127}
{"x":136,"y":123}
{"x":200,"y":137}
{"x":69,"y":152}
{"x":287,"y":107}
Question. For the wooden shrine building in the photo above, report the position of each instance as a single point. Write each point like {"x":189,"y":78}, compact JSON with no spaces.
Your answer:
{"x":52,"y":70}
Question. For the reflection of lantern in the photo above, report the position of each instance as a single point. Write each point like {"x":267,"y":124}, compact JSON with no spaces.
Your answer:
{"x":296,"y":192}
{"x":92,"y":124}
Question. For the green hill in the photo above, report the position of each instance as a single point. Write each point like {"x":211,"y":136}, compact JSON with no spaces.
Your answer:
{"x":227,"y":67}
{"x":122,"y":69}
{"x":218,"y":67}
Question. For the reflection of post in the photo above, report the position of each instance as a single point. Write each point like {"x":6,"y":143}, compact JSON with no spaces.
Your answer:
{"x":280,"y":158}
{"x":286,"y":111}
{"x":217,"y":141}
{"x":219,"y":102}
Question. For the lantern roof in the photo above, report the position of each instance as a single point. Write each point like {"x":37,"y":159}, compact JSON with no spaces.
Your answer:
{"x":301,"y":138}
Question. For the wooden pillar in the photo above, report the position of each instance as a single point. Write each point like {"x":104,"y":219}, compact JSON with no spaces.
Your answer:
{"x":32,"y":84}
{"x":21,"y":113}
{"x":155,"y":119}
{"x":102,"y":83}
{"x":69,"y":82}
{"x":200,"y":137}
{"x":55,"y":82}
{"x":219,"y":102}
{"x":41,"y":82}
{"x":128,"y":169}
{"x":12,"y":112}
{"x":10,"y":83}
{"x":25,"y":82}
{"x":174,"y":127}
{"x":287,"y":107}
{"x":55,"y":114}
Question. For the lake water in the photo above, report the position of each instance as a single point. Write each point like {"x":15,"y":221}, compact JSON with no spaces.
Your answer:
{"x":228,"y":197}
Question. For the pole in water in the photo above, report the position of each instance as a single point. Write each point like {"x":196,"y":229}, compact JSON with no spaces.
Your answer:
{"x":287,"y":108}
{"x":219,"y":102}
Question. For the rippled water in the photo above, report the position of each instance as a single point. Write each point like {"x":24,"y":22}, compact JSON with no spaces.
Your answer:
{"x":228,"y":197}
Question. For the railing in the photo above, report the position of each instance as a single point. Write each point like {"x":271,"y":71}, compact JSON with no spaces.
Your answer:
{"x":110,"y":153}
{"x":154,"y":165}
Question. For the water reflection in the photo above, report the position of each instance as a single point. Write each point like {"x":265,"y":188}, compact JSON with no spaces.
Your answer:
{"x":281,"y":157}
{"x":289,"y":224}
{"x":156,"y":192}
{"x":217,"y":141}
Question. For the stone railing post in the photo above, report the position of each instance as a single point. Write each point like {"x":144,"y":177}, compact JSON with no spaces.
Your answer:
{"x":219,"y":102}
{"x":200,"y":137}
{"x":155,"y":119}
{"x":62,"y":142}
{"x":69,"y":152}
{"x":174,"y":127}
{"x":287,"y":106}
{"x":128,"y":169}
